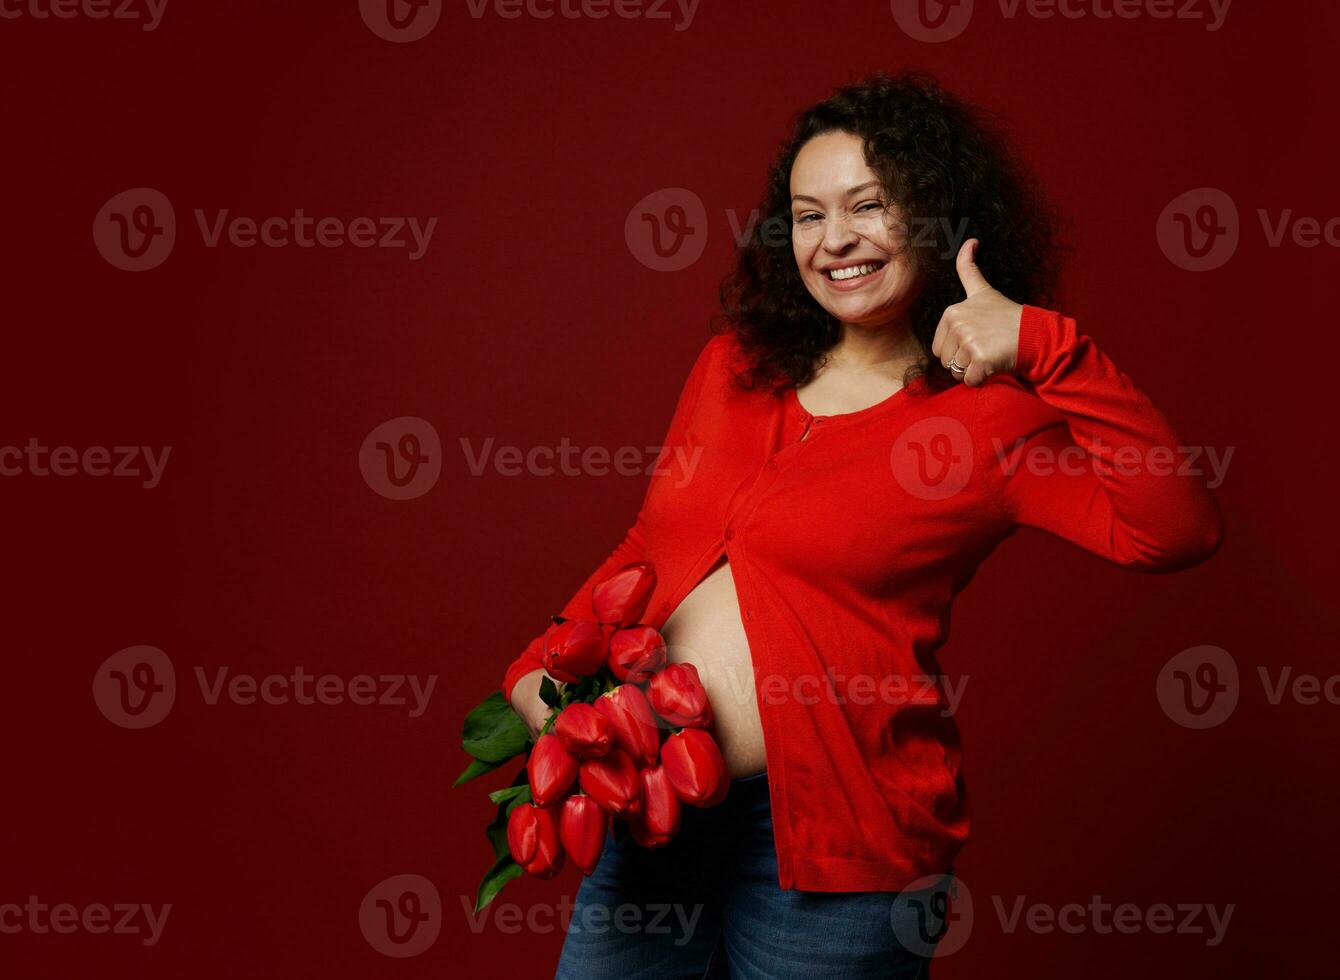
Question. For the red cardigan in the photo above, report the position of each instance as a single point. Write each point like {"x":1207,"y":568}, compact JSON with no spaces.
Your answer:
{"x":847,"y":550}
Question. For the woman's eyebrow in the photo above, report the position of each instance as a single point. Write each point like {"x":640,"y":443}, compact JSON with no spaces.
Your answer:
{"x":850,"y":192}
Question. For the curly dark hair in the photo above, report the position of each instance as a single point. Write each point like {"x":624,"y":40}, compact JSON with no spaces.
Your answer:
{"x":947,"y":171}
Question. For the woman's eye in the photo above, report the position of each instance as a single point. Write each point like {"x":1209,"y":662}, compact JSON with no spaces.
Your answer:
{"x":804,"y":218}
{"x":870,"y":204}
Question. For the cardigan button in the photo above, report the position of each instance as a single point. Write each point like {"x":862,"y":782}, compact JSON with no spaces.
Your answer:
{"x":730,"y":533}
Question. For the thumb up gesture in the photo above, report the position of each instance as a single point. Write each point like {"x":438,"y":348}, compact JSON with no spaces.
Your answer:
{"x":980,"y":336}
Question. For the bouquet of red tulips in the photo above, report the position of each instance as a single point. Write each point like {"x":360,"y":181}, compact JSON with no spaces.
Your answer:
{"x":625,"y":747}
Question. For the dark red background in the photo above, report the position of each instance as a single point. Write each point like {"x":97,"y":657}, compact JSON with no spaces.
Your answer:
{"x":529,"y":321}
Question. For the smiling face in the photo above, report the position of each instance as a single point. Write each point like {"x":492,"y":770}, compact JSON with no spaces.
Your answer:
{"x":851,"y":249}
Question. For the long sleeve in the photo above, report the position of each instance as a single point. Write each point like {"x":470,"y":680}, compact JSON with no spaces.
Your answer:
{"x":633,"y":546}
{"x":1077,"y":450}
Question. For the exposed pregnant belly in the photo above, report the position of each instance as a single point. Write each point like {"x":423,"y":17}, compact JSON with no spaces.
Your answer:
{"x":707,"y":632}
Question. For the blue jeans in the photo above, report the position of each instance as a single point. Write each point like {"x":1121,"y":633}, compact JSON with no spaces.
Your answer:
{"x":708,"y":905}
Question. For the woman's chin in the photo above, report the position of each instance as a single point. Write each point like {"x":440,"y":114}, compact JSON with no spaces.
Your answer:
{"x":866,"y":314}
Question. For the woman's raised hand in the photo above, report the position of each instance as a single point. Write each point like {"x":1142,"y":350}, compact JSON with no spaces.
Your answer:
{"x":980,"y":336}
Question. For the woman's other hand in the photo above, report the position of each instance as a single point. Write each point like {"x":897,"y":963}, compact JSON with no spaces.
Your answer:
{"x":527,"y":703}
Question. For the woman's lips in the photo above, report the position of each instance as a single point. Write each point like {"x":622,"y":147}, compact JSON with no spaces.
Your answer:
{"x":855,"y":282}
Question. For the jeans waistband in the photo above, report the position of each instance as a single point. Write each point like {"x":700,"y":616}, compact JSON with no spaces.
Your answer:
{"x":756,"y":777}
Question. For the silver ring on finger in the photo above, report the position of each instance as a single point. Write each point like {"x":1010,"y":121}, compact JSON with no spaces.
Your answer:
{"x":954,"y":367}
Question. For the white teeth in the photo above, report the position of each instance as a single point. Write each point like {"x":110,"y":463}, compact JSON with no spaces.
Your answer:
{"x":857,"y":270}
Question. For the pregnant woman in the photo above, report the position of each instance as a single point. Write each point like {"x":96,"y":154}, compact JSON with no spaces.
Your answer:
{"x":888,"y":399}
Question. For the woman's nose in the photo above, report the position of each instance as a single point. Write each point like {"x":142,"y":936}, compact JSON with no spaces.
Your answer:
{"x":838,"y":234}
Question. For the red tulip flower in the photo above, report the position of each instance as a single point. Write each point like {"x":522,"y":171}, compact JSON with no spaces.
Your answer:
{"x":659,"y":820}
{"x":582,"y":824}
{"x":636,"y":653}
{"x":622,"y":598}
{"x":584,"y":731}
{"x":532,"y":836}
{"x":679,"y":697}
{"x":573,"y":649}
{"x":614,"y":782}
{"x":550,"y":770}
{"x":695,"y":767}
{"x":635,"y":728}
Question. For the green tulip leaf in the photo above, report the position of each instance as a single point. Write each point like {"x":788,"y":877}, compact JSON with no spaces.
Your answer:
{"x":500,"y":874}
{"x":476,"y":767}
{"x":522,"y":797}
{"x":501,"y":796}
{"x":493,"y":731}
